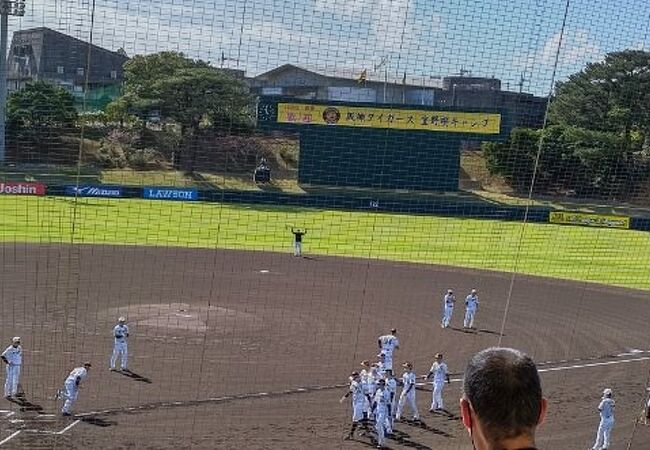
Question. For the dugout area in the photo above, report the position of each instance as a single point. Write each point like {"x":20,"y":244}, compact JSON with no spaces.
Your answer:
{"x":251,"y":349}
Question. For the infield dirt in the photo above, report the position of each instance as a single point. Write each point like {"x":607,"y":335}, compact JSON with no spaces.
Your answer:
{"x":217,"y":324}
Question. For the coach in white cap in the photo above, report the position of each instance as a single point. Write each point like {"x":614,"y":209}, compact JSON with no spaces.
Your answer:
{"x":13,"y":358}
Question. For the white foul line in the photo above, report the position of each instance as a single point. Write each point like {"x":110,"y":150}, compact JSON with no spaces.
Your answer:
{"x":13,"y":435}
{"x":69,"y":426}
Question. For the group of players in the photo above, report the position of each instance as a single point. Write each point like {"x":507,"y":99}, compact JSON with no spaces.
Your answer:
{"x":374,"y":390}
{"x":13,"y":359}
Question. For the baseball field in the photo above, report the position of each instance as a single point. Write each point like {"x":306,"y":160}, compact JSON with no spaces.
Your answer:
{"x":238,"y":344}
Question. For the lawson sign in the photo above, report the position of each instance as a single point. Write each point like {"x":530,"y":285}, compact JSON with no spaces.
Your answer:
{"x":93,"y":191}
{"x":170,"y":194}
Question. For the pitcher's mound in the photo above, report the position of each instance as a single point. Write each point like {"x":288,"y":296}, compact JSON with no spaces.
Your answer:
{"x":184,"y":317}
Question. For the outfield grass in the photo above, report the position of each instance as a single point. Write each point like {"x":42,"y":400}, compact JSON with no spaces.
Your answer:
{"x":616,"y":257}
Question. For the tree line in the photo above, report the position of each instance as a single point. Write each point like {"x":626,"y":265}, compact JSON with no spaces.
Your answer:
{"x":597,"y":139}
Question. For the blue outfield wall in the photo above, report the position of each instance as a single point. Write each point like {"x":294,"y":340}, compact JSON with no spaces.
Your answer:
{"x":433,"y":206}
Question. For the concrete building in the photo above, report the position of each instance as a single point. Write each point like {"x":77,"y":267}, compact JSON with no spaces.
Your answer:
{"x":48,"y":55}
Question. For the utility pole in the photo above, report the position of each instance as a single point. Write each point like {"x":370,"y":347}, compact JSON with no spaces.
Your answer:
{"x":7,"y":8}
{"x":384,"y":64}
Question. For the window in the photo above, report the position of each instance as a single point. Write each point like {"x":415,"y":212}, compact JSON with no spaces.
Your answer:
{"x":114,"y":74}
{"x":80,"y":71}
{"x":59,"y":70}
{"x":78,"y":88}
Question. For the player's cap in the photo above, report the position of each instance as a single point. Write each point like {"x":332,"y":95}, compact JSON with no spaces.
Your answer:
{"x":393,"y":330}
{"x":449,"y":291}
{"x":122,"y":319}
{"x":473,"y":291}
{"x":379,"y":355}
{"x":354,"y":374}
{"x":87,"y":364}
{"x":407,"y":365}
{"x":365,"y":363}
{"x":438,"y":356}
{"x":607,"y":392}
{"x":15,"y":339}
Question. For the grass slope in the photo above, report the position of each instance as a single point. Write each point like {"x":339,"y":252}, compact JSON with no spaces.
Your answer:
{"x":617,"y":257}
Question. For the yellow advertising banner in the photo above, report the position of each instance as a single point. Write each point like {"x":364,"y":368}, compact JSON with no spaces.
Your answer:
{"x":589,"y":220}
{"x":399,"y":119}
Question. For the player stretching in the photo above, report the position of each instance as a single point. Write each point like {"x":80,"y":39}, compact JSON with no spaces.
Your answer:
{"x":358,"y":399}
{"x":408,"y":392}
{"x":13,"y":358}
{"x":120,"y":334}
{"x":387,"y":344}
{"x":297,"y":240}
{"x":471,"y":305}
{"x":71,"y":387}
{"x":448,"y":305}
{"x":440,"y":374}
{"x":606,"y":409}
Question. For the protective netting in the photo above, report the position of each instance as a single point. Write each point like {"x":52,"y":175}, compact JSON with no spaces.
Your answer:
{"x":262,"y":188}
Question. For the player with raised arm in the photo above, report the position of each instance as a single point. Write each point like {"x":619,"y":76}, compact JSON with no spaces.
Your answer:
{"x":297,"y":240}
{"x":387,"y":344}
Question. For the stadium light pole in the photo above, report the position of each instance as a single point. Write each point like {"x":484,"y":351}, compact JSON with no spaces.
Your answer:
{"x":7,"y":8}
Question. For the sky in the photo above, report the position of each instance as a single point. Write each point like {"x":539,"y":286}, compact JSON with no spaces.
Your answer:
{"x":516,"y":41}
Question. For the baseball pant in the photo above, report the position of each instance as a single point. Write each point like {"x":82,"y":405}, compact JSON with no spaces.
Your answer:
{"x":388,"y":361}
{"x":11,"y":383}
{"x":120,"y":347}
{"x":410,"y":399}
{"x":380,"y":424}
{"x":604,"y":432}
{"x":469,"y":318}
{"x":297,"y":249}
{"x":357,"y":412}
{"x":389,"y":419}
{"x":446,"y":318}
{"x":436,"y":396}
{"x":69,"y":393}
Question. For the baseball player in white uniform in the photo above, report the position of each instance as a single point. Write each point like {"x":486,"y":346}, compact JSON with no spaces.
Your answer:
{"x":368,"y":381}
{"x":408,"y":392}
{"x":387,"y":344}
{"x":448,"y":308}
{"x":391,"y":388}
{"x":440,"y":374}
{"x":71,"y":387}
{"x":120,"y":346}
{"x":381,"y":408}
{"x":646,"y":411}
{"x":606,"y":409}
{"x":13,"y":358}
{"x":471,"y":305}
{"x":358,"y":399}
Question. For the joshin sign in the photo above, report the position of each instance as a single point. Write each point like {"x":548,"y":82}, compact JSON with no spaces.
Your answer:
{"x":22,"y":188}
